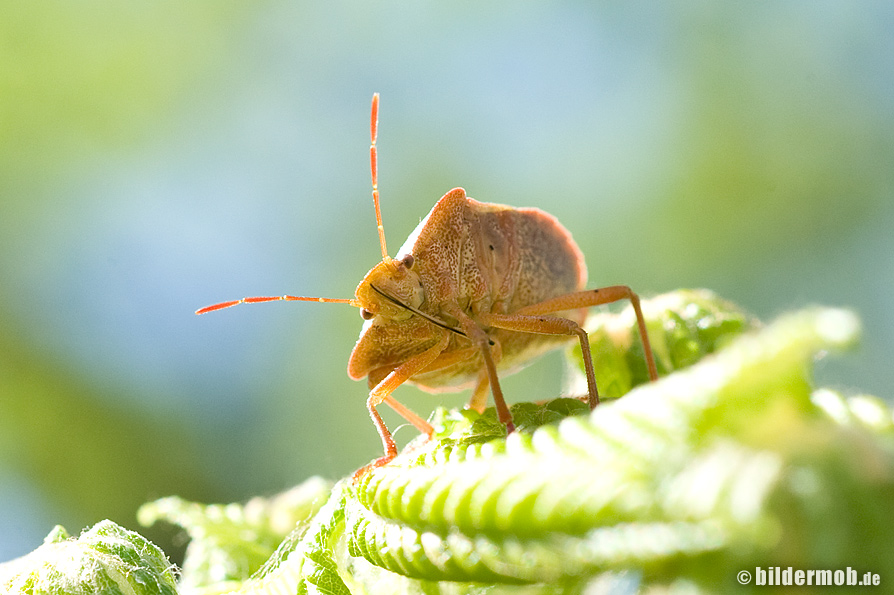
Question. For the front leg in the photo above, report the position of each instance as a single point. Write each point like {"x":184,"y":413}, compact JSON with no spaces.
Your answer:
{"x":382,"y":393}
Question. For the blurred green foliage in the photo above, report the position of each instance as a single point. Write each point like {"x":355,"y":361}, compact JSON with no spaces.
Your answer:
{"x":80,"y":82}
{"x":79,"y":79}
{"x":54,"y":423}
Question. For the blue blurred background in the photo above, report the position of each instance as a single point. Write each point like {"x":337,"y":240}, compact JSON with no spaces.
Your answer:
{"x":158,"y":157}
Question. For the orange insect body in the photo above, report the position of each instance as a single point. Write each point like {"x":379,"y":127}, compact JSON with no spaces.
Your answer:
{"x":476,"y":288}
{"x":483,"y":258}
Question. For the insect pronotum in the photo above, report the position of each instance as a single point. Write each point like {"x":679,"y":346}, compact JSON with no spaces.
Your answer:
{"x":476,"y":288}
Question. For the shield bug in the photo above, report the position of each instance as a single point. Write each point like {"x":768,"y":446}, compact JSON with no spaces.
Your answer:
{"x":477,"y":288}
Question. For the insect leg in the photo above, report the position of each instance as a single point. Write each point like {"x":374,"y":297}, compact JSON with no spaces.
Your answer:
{"x":479,"y":393}
{"x":480,"y":338}
{"x":460,"y":356}
{"x":549,"y":325}
{"x":382,"y":393}
{"x":597,"y":297}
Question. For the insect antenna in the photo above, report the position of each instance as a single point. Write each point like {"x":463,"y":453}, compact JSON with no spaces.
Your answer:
{"x":287,"y":298}
{"x":374,"y":169}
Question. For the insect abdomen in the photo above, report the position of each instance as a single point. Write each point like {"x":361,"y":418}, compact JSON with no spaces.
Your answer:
{"x":526,"y":256}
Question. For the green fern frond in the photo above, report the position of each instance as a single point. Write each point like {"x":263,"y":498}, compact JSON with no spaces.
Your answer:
{"x":732,"y":460}
{"x":106,"y":559}
{"x":684,"y":326}
{"x":689,"y":477}
{"x":229,"y":542}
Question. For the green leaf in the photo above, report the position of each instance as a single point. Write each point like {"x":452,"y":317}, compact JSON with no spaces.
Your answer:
{"x":734,"y":462}
{"x":307,"y":560}
{"x":229,"y":542}
{"x":106,"y":559}
{"x":681,"y":476}
{"x":683,"y":325}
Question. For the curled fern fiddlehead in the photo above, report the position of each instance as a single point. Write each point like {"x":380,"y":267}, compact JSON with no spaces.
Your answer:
{"x":732,"y":462}
{"x":692,"y":477}
{"x":104,"y":559}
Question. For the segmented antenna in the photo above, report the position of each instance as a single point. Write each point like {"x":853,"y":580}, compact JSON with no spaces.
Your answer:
{"x":373,"y":132}
{"x":277,"y":298}
{"x":374,"y":169}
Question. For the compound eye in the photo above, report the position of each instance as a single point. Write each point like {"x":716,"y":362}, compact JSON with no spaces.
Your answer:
{"x":408,"y":261}
{"x":366,"y":314}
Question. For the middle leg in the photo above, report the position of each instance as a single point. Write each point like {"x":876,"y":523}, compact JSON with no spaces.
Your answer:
{"x":480,"y":339}
{"x":597,"y":297}
{"x":550,"y":325}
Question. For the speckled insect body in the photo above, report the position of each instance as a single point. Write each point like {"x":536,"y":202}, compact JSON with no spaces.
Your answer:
{"x":478,"y":289}
{"x":484,"y":259}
